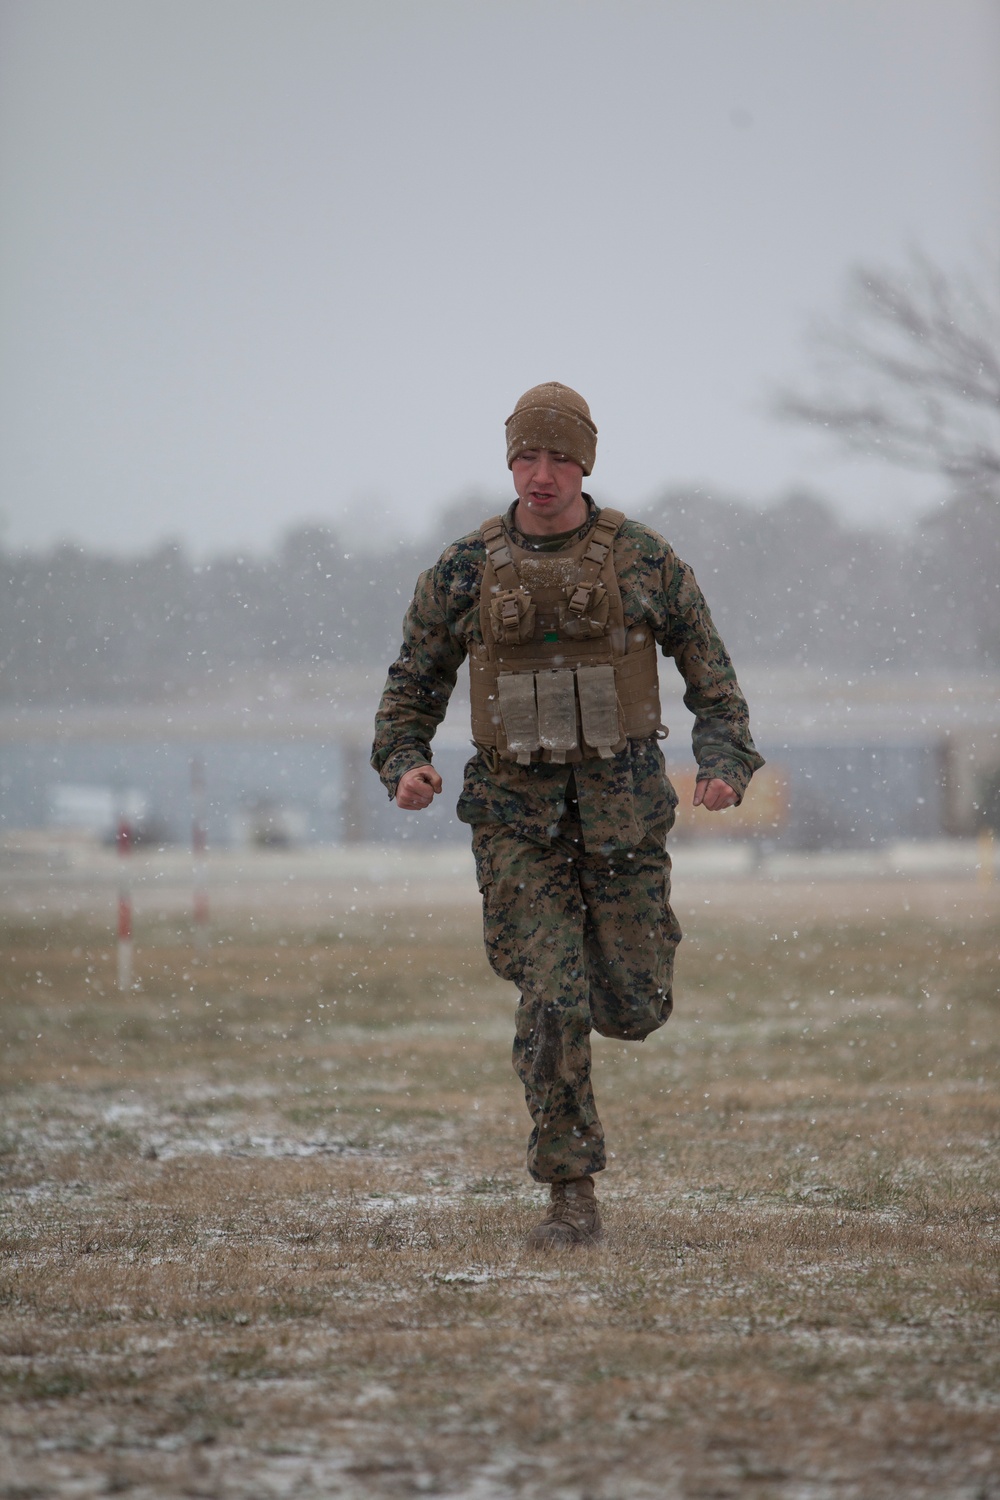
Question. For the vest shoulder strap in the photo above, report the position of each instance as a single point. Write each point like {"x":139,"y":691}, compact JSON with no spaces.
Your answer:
{"x":598,"y":547}
{"x":495,"y":541}
{"x":610,"y":520}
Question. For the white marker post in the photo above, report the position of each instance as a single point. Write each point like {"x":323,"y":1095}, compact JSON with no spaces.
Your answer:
{"x":199,"y":843}
{"x":124,"y":903}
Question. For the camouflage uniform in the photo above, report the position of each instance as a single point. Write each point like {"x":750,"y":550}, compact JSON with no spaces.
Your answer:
{"x":570,"y":858}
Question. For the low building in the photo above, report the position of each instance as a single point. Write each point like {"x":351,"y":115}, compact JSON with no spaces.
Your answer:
{"x":852,"y":762}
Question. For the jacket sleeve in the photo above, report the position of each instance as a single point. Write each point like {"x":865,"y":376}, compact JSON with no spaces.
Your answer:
{"x":419,"y":683}
{"x":721,"y":734}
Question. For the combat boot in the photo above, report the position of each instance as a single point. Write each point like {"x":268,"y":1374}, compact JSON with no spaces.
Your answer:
{"x":573,"y":1217}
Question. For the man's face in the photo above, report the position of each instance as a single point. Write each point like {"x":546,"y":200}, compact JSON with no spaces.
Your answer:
{"x":550,"y":489}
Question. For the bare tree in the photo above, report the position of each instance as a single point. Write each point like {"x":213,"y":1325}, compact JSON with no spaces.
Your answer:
{"x":911,"y":372}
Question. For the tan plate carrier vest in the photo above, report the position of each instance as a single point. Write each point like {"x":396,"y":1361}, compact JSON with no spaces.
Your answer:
{"x":557,"y":676}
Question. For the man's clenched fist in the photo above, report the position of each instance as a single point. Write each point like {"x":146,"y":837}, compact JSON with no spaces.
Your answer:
{"x":417,"y":788}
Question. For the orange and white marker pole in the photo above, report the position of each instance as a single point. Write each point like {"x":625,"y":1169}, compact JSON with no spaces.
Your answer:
{"x":124,"y":903}
{"x":199,"y":843}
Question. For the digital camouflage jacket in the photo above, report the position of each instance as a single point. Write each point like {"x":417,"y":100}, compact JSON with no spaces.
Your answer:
{"x":619,"y":799}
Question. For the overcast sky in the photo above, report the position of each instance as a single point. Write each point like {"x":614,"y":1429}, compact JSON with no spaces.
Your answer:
{"x":265,"y":262}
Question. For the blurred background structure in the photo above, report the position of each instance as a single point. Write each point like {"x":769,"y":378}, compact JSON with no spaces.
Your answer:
{"x":273,"y":277}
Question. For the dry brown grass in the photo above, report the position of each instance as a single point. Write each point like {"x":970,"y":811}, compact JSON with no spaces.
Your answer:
{"x":262,"y":1221}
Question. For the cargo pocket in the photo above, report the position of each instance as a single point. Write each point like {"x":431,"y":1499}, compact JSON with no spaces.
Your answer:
{"x":632,"y":958}
{"x":481,"y":854}
{"x":501,"y":948}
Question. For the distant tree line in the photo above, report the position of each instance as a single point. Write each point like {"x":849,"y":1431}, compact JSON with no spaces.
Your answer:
{"x":793,"y":586}
{"x":789,"y":585}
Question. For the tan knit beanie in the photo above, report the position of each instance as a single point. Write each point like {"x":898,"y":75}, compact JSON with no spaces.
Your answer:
{"x":553,"y":416}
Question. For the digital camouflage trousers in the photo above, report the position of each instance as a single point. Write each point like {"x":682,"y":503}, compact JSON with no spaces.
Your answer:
{"x":589,"y":940}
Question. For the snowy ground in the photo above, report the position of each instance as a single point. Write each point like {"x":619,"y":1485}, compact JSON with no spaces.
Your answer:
{"x":47,"y":873}
{"x":263,"y":1215}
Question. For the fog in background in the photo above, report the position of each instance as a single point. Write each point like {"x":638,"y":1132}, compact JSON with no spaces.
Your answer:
{"x":792,"y":587}
{"x":269,"y":264}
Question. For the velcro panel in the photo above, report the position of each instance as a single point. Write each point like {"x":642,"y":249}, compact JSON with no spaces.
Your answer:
{"x":638,"y":691}
{"x":637,"y":674}
{"x":599,"y":708}
{"x":519,"y":712}
{"x":556,"y":710}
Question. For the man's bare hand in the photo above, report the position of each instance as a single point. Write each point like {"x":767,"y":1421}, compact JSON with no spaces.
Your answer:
{"x":715,"y":795}
{"x":417,"y":788}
